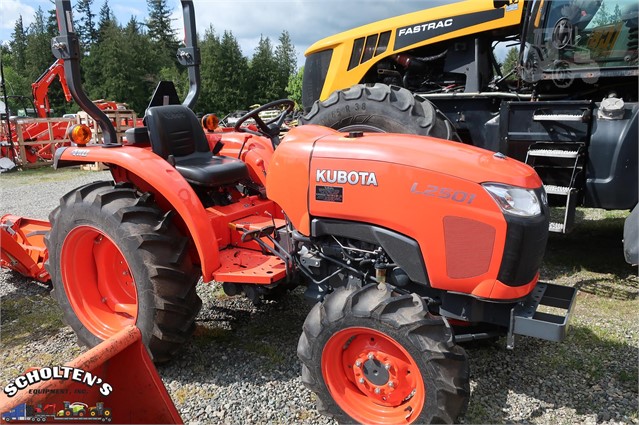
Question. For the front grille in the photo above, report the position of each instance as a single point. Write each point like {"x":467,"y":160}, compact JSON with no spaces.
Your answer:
{"x":525,"y":247}
{"x":315,"y":71}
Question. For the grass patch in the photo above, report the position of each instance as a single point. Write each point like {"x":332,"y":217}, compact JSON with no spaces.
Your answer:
{"x":26,"y":318}
{"x":272,"y":355}
{"x":42,"y":175}
{"x":204,"y":335}
{"x":628,"y":376}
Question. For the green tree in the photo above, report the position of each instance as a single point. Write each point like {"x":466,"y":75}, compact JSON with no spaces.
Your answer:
{"x":510,"y":62}
{"x":138,"y":67}
{"x":264,"y":82}
{"x":161,"y":33}
{"x":105,"y":65}
{"x":294,"y":87}
{"x":106,"y":20}
{"x":603,"y":16}
{"x":231,"y":71}
{"x":286,"y":59}
{"x":38,"y":58}
{"x":15,"y":82}
{"x":210,"y":47}
{"x":18,"y":45}
{"x":85,"y":26}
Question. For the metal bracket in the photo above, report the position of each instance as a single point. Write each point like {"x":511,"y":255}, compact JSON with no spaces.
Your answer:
{"x":526,"y":320}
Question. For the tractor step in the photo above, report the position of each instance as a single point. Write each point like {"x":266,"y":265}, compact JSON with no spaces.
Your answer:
{"x":240,"y":265}
{"x":552,"y":324}
{"x":554,"y":153}
{"x":561,"y":117}
{"x":556,"y":190}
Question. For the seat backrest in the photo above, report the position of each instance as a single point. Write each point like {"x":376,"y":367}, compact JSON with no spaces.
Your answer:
{"x":175,"y":130}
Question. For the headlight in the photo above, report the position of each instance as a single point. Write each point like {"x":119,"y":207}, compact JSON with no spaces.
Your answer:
{"x":515,"y":200}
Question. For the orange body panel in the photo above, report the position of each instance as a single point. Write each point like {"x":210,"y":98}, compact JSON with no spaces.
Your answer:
{"x":250,"y":267}
{"x":411,"y":185}
{"x":287,"y":180}
{"x":159,"y":177}
{"x":251,"y":208}
{"x":255,"y":151}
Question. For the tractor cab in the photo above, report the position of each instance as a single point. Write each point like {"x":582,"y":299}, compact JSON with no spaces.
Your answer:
{"x":567,"y":40}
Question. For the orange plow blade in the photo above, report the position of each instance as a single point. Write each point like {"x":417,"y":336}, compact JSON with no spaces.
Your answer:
{"x":22,"y":246}
{"x":115,"y":381}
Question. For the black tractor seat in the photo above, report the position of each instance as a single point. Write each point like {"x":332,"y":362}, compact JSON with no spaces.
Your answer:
{"x":177,"y":136}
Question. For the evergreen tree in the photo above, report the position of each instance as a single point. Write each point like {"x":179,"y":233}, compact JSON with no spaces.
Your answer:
{"x":107,"y":75}
{"x":294,"y":87}
{"x":160,"y":31}
{"x":604,"y":17}
{"x":18,"y":46}
{"x":510,"y":62}
{"x":85,"y":26}
{"x":15,"y":81}
{"x":105,"y":21}
{"x":38,"y":58}
{"x":209,"y":50}
{"x":230,"y":73}
{"x":139,"y":71}
{"x":286,"y":58}
{"x":264,"y":82}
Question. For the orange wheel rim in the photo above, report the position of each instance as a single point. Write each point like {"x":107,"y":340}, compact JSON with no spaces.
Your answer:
{"x":98,"y":282}
{"x":372,"y":377}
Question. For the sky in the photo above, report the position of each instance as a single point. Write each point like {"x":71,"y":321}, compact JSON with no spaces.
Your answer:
{"x":306,"y":21}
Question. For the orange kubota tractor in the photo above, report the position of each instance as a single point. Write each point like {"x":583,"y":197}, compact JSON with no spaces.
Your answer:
{"x":408,"y":245}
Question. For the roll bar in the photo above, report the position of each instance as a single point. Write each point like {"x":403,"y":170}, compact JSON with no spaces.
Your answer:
{"x":66,"y":46}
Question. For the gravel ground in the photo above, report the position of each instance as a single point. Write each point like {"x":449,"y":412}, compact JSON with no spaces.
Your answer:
{"x":241,"y":365}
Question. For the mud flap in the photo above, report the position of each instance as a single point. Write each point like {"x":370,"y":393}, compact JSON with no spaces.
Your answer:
{"x":125,"y":387}
{"x":631,"y":237}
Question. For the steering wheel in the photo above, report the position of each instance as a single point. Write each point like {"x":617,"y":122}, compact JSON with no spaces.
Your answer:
{"x":270,"y":128}
{"x":562,"y":34}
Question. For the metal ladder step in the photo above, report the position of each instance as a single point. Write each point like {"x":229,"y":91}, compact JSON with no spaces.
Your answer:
{"x":559,"y":117}
{"x":553,"y":153}
{"x":557,"y":190}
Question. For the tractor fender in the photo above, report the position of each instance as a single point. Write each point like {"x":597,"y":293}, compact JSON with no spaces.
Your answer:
{"x":153,"y":174}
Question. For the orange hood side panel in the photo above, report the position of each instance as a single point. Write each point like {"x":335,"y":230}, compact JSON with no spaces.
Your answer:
{"x":426,"y":189}
{"x":287,"y":180}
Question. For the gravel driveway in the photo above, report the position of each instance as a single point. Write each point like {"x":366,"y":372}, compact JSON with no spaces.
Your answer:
{"x":241,"y":366}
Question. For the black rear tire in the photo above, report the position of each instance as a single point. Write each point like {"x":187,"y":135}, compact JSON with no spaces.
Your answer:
{"x":156,"y":255}
{"x":380,"y":108}
{"x":403,"y":320}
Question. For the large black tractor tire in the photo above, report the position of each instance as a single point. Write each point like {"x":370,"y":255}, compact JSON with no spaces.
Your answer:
{"x":115,"y":260}
{"x":375,"y":357}
{"x":380,"y":108}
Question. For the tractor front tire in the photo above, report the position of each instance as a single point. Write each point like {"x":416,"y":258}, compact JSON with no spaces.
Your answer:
{"x":375,"y":357}
{"x":382,"y":109}
{"x":115,"y":259}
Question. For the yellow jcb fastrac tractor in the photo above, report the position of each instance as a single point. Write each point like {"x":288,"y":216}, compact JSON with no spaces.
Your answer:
{"x":568,"y":109}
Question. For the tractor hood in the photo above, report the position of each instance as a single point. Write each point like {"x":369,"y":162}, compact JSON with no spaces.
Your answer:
{"x":314,"y":159}
{"x":428,"y":153}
